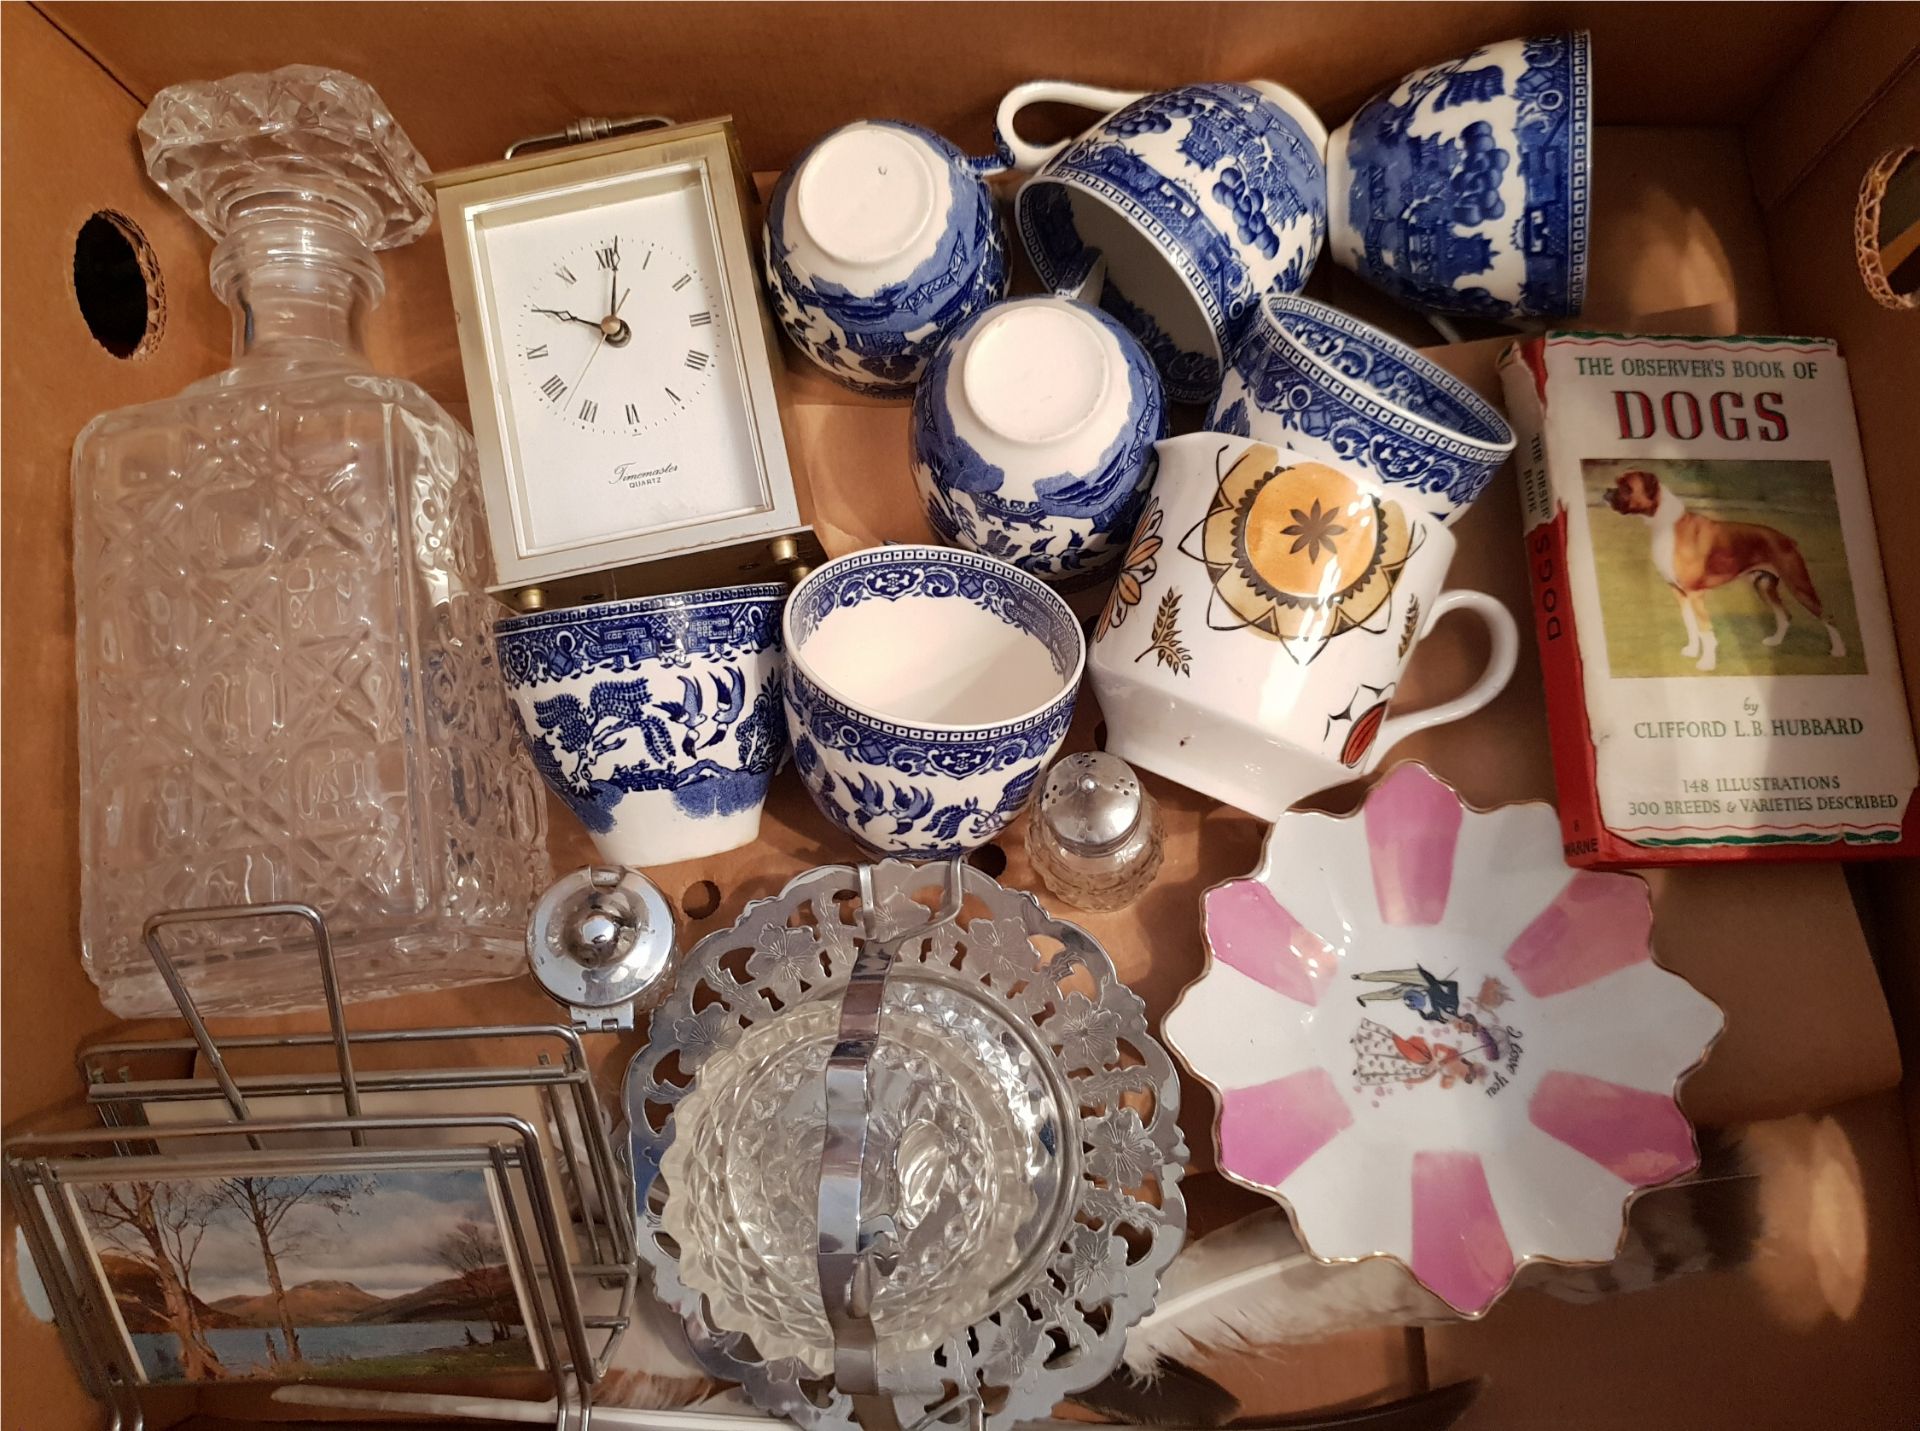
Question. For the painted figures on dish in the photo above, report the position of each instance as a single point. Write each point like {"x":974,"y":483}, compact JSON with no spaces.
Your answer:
{"x":1469,"y":1041}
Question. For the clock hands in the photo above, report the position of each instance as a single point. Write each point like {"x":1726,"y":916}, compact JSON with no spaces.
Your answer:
{"x":610,"y":256}
{"x":613,"y":328}
{"x":565,"y":316}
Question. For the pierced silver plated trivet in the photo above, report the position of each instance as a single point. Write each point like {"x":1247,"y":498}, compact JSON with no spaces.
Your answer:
{"x":1022,"y":1160}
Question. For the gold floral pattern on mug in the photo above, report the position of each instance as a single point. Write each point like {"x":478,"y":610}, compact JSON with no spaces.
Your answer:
{"x":1299,"y":552}
{"x":1137,"y":568}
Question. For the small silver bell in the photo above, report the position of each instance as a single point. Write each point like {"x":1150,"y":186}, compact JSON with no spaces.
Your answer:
{"x":601,"y":941}
{"x":1095,"y":836}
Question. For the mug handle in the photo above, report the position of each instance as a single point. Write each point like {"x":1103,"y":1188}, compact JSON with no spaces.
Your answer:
{"x":1493,"y":680}
{"x":1031,"y":156}
{"x":1298,"y":110}
{"x":1088,"y":282}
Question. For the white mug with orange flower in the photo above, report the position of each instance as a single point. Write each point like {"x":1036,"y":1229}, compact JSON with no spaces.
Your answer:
{"x":1263,"y":617}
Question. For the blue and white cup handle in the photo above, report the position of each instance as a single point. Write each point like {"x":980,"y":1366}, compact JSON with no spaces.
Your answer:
{"x":1505,"y":637}
{"x":1084,"y":285}
{"x":1023,"y":155}
{"x":1017,"y":153}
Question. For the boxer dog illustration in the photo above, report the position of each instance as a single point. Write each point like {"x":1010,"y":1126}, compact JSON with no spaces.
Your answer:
{"x":1697,"y":554}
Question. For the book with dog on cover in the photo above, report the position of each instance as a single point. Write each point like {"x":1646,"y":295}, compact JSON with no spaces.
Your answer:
{"x":1718,"y":651}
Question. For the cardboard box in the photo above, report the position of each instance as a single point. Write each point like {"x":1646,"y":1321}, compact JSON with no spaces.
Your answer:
{"x":1727,"y":166}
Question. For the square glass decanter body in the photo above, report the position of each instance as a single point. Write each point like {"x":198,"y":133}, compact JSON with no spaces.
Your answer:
{"x":288,"y":692}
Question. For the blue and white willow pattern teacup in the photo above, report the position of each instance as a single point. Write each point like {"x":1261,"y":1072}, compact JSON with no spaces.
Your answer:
{"x":656,"y":720}
{"x":926,"y":690}
{"x":1201,"y":199}
{"x":1464,"y":188}
{"x":880,"y":240}
{"x":1310,"y":377}
{"x":1032,"y":437}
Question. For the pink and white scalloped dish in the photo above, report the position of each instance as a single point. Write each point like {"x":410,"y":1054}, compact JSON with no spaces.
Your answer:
{"x":1435,"y":1042}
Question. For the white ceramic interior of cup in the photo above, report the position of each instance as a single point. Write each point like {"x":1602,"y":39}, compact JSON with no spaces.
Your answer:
{"x":1144,"y":273}
{"x":947,"y":662}
{"x":934,"y":661}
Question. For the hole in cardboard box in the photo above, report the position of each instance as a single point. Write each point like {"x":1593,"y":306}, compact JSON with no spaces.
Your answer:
{"x":1886,"y":229}
{"x":702,"y":897}
{"x":990,"y":860}
{"x":116,"y":279}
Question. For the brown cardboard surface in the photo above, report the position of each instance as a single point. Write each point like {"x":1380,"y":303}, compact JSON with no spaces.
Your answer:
{"x":1810,"y":231}
{"x":1836,"y":83}
{"x":56,"y":378}
{"x":1818,"y":1331}
{"x":1676,"y":226}
{"x":467,"y":80}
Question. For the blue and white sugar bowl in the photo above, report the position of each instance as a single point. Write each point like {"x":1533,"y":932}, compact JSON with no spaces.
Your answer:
{"x":880,"y":240}
{"x":656,"y":720}
{"x":927,"y":688}
{"x":1323,"y":383}
{"x":1032,"y":437}
{"x":1201,"y":199}
{"x":1464,"y":188}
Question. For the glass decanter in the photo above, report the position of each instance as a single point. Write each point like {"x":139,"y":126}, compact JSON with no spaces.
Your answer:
{"x":287,"y":685}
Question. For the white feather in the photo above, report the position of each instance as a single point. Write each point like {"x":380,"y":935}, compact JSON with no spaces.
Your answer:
{"x":1251,"y":1286}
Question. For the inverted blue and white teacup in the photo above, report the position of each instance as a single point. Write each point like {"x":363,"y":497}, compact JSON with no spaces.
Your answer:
{"x":1201,"y":199}
{"x":880,"y":240}
{"x":1323,"y":383}
{"x":1464,"y":188}
{"x":657,"y":720}
{"x":926,"y":690}
{"x":1032,"y":437}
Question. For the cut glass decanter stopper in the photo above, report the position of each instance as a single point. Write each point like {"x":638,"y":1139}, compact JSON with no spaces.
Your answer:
{"x":286,"y":674}
{"x":300,"y":136}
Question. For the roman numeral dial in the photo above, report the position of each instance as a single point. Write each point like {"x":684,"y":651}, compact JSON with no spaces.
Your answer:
{"x":618,"y":334}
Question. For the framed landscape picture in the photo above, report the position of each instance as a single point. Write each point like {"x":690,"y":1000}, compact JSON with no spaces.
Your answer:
{"x":348,"y":1273}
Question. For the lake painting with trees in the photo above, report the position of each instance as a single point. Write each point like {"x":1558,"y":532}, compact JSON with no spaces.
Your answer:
{"x":309,"y":1276}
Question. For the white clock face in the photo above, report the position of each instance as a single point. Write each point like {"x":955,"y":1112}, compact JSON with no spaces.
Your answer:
{"x":618,"y":336}
{"x":616,"y":364}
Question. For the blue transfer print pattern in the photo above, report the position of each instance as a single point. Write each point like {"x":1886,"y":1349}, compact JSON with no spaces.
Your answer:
{"x":1076,"y":521}
{"x":1182,"y":371}
{"x":888,"y":573}
{"x":1242,"y":153}
{"x":677,"y":694}
{"x":1428,"y":206}
{"x":1390,"y":370}
{"x":878,"y":343}
{"x":925,"y":793}
{"x":1345,"y":390}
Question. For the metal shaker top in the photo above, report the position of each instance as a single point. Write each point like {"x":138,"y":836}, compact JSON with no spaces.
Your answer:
{"x":1092,"y":802}
{"x":602,"y":938}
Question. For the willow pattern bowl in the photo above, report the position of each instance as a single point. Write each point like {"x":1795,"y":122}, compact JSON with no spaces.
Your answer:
{"x":1312,"y":378}
{"x":1464,"y":188}
{"x":1433,"y":1041}
{"x":657,"y":720}
{"x":926,"y":689}
{"x":880,"y":240}
{"x":1032,"y":437}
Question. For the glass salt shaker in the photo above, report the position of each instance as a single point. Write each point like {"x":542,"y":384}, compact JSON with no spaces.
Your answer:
{"x":286,"y":674}
{"x":1095,"y":835}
